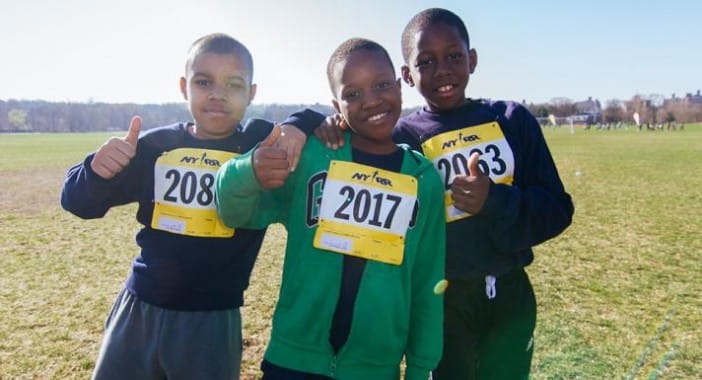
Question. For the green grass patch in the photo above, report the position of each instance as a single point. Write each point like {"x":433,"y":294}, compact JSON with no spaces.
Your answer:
{"x":618,"y":292}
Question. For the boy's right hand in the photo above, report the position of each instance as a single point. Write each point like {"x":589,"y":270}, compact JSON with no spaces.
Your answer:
{"x":270,"y":162}
{"x":331,"y":131}
{"x":116,"y":153}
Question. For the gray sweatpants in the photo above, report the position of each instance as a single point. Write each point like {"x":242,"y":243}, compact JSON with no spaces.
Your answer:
{"x":144,"y":342}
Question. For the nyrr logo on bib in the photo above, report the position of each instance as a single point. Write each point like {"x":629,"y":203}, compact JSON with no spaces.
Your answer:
{"x":373,"y":178}
{"x":366,"y":212}
{"x":202,"y":160}
{"x":454,"y":142}
{"x":450,"y":151}
{"x":184,"y":192}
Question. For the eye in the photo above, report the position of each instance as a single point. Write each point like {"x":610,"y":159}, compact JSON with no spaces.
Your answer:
{"x":351,"y":95}
{"x":383,"y":85}
{"x":456,"y":56}
{"x":421,"y":63}
{"x":236,"y":85}
{"x":202,"y":82}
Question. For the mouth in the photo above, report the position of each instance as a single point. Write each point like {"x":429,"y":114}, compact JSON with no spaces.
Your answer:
{"x":216,"y":111}
{"x":445,"y":89}
{"x":378,"y":117}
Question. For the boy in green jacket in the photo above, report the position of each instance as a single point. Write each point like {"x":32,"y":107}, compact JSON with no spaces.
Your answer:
{"x":364,"y":261}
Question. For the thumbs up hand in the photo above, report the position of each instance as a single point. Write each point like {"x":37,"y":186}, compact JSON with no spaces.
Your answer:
{"x":270,"y":162}
{"x":116,"y":153}
{"x":470,"y":192}
{"x":292,"y":140}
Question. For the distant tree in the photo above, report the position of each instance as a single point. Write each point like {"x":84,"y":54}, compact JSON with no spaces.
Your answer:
{"x":18,"y":119}
{"x":638,"y":104}
{"x":4,"y":121}
{"x":563,"y":107}
{"x":669,"y":117}
{"x":613,"y":112}
{"x":655,"y":102}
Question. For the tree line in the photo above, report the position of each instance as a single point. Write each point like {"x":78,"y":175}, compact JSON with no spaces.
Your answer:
{"x":651,"y":109}
{"x":43,"y":116}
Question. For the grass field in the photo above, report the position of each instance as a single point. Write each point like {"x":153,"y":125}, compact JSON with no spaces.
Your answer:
{"x":618,"y":292}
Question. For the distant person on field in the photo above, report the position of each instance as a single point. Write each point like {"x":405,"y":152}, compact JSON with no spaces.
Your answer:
{"x":178,"y":314}
{"x":503,"y":196}
{"x":364,"y":260}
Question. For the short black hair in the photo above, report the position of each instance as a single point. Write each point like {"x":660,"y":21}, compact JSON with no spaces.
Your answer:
{"x":219,"y":43}
{"x":430,"y":17}
{"x":349,"y":46}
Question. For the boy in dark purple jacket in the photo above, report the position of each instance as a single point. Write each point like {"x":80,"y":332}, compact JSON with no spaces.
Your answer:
{"x":503,"y":196}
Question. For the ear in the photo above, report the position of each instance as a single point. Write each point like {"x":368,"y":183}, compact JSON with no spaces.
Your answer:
{"x":336,"y":106}
{"x":252,"y":92}
{"x":406,"y":76}
{"x":184,"y":87}
{"x":399,"y":89}
{"x":473,"y":56}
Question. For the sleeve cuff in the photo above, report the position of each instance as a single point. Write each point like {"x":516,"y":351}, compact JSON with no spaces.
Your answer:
{"x":306,"y":121}
{"x":501,"y":201}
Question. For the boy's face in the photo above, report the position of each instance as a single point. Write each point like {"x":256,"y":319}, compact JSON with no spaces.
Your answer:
{"x":218,"y":90}
{"x":440,"y":65}
{"x":367,"y":94}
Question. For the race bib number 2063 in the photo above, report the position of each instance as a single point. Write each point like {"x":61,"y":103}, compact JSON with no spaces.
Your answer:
{"x":450,"y":151}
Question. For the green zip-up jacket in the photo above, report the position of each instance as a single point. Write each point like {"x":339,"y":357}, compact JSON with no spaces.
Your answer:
{"x":396,"y":312}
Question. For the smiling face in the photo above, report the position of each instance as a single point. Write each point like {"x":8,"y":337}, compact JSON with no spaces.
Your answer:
{"x":218,"y":89}
{"x":440,"y":65}
{"x":367,"y":94}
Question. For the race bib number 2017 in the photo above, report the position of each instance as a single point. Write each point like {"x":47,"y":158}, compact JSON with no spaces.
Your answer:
{"x":184,"y":192}
{"x":450,"y":151}
{"x":366,"y":212}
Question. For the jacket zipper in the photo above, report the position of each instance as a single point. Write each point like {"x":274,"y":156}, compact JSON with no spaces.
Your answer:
{"x":332,"y":367}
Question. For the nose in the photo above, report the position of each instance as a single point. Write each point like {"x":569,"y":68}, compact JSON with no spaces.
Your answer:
{"x":218,"y":92}
{"x":371,"y":100}
{"x":442,"y":67}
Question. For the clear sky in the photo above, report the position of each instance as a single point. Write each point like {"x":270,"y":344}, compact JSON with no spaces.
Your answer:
{"x":534,"y":50}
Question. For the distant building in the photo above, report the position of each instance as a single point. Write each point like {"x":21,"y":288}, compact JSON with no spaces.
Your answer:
{"x":691,"y":99}
{"x":589,"y":111}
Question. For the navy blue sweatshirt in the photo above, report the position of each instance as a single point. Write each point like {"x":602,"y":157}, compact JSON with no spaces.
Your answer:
{"x":516,"y":216}
{"x":175,"y":269}
{"x":527,"y":203}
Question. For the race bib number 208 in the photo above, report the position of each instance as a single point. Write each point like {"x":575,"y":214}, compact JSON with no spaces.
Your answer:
{"x":184,"y":192}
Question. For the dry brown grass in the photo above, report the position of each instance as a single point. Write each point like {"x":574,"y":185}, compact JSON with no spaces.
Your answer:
{"x":618,"y":292}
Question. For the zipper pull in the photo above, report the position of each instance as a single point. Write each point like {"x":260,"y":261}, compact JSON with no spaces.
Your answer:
{"x":490,"y":288}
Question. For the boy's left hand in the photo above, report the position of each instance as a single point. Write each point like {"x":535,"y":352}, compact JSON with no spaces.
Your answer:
{"x":331,"y":131}
{"x":270,"y":162}
{"x":470,"y":192}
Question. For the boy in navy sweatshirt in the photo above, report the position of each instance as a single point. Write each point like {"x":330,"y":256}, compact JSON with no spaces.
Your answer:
{"x":178,"y":316}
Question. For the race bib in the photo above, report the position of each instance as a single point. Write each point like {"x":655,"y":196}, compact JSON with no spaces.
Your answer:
{"x":366,"y":212}
{"x":450,"y":151}
{"x":184,"y":192}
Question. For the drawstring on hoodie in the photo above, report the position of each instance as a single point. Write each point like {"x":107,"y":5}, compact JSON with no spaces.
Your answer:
{"x":490,"y":288}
